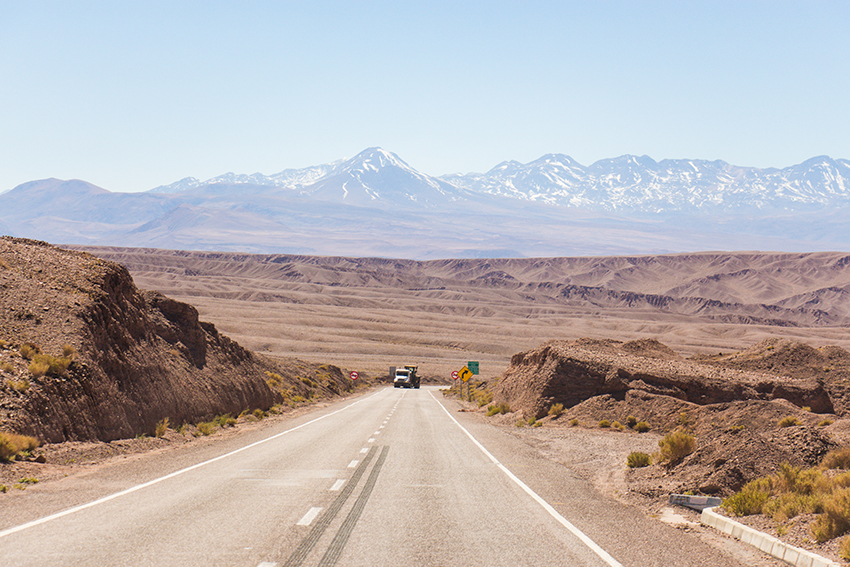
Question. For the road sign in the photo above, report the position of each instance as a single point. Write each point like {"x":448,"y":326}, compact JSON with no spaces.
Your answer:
{"x":354,"y":375}
{"x":454,"y":375}
{"x":473,"y":366}
{"x":465,"y":374}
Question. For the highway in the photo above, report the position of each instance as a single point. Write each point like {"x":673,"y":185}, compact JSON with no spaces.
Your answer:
{"x":393,"y":477}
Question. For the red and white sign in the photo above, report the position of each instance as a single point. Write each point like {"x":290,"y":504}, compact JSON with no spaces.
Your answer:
{"x":354,"y":375}
{"x":454,"y":375}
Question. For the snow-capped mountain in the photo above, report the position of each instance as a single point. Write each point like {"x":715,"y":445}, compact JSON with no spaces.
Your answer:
{"x":640,"y":184}
{"x":377,"y":204}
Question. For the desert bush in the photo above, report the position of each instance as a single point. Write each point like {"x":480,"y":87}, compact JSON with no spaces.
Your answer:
{"x":788,"y":421}
{"x":206,"y":428}
{"x":161,"y":427}
{"x":38,"y":368}
{"x":837,"y":459}
{"x":684,"y":419}
{"x":4,"y":489}
{"x":792,"y":504}
{"x":482,"y":397}
{"x":835,"y":519}
{"x":631,"y":421}
{"x":556,"y":409}
{"x":618,"y":425}
{"x":69,"y":351}
{"x":604,"y":423}
{"x":844,"y":548}
{"x":224,"y":420}
{"x":825,"y":422}
{"x":11,"y":445}
{"x":750,"y":500}
{"x":21,"y":385}
{"x":641,"y":427}
{"x":258,"y":413}
{"x":274,"y":381}
{"x":7,"y":367}
{"x":532,"y":420}
{"x":636,"y":459}
{"x":498,"y":408}
{"x":28,"y":350}
{"x":573,"y":422}
{"x":676,"y":445}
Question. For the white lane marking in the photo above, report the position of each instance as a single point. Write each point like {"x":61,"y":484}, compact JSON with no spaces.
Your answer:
{"x":364,"y":450}
{"x":338,"y":485}
{"x":353,"y":464}
{"x":594,"y":547}
{"x":138,"y":487}
{"x":267,"y":564}
{"x":370,"y":440}
{"x":309,"y":517}
{"x":377,"y":432}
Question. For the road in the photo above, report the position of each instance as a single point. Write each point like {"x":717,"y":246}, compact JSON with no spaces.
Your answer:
{"x":394,"y":477}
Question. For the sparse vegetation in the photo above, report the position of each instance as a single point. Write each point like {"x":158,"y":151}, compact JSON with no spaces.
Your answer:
{"x":604,"y":423}
{"x":677,"y":445}
{"x":618,"y":426}
{"x":497,"y":409}
{"x":38,"y":369}
{"x":12,"y":445}
{"x":641,"y":427}
{"x":161,"y":427}
{"x":789,"y":421}
{"x":224,"y":420}
{"x":750,"y":499}
{"x":573,"y":422}
{"x":21,"y":385}
{"x":825,"y":422}
{"x":556,"y":410}
{"x":258,"y":413}
{"x":631,"y":421}
{"x":684,"y":419}
{"x":28,"y":350}
{"x":206,"y":428}
{"x":844,"y":548}
{"x":274,"y":381}
{"x":7,"y":368}
{"x":837,"y":459}
{"x":636,"y":459}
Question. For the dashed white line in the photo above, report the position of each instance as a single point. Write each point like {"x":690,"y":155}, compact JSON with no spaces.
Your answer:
{"x":370,"y":440}
{"x":309,"y":517}
{"x":353,"y":464}
{"x":267,"y":564}
{"x":338,"y":485}
{"x":364,"y":450}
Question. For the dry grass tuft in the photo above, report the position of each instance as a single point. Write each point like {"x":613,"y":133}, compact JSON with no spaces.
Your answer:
{"x":677,"y":445}
{"x":12,"y":445}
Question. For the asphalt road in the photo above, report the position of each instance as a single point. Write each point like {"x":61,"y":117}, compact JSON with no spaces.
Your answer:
{"x":393,"y":478}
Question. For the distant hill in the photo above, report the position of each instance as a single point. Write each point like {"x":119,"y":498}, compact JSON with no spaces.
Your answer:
{"x":375,"y":204}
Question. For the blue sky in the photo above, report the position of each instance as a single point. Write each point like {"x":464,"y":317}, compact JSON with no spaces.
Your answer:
{"x":131,"y":95}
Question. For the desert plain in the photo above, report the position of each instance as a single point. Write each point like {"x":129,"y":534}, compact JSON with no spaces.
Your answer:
{"x":368,"y":314}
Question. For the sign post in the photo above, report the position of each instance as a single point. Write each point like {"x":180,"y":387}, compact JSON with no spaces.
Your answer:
{"x":465,"y":374}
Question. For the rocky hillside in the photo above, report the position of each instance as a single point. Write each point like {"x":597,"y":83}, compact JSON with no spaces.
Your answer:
{"x":778,"y":401}
{"x":85,"y":355}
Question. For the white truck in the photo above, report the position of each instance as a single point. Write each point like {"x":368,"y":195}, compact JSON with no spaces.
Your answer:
{"x":405,"y":376}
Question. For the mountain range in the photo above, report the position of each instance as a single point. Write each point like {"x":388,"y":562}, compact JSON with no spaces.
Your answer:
{"x":375,"y":204}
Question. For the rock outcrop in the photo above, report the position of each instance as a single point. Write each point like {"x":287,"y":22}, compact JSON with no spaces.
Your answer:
{"x":135,"y":357}
{"x":572,"y":372}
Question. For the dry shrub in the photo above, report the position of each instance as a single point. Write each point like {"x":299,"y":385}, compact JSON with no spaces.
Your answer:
{"x":7,"y":367}
{"x":631,"y":421}
{"x":161,"y":427}
{"x":837,"y":459}
{"x":206,"y":428}
{"x":750,"y":500}
{"x":677,"y":445}
{"x":636,"y":459}
{"x":28,"y":350}
{"x":789,"y":421}
{"x":835,"y":520}
{"x":21,"y":385}
{"x":604,"y":424}
{"x":556,"y":409}
{"x":573,"y":422}
{"x":498,"y":408}
{"x":844,"y":549}
{"x":38,"y":368}
{"x":12,"y":445}
{"x":641,"y":427}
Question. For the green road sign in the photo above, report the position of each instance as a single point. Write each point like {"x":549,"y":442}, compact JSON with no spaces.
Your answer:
{"x":473,"y":366}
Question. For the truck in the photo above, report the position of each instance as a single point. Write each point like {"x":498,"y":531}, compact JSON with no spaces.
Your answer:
{"x":405,"y":376}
